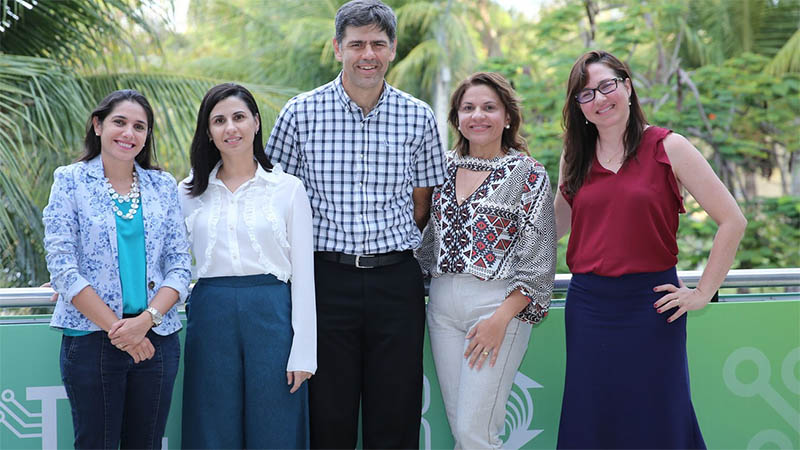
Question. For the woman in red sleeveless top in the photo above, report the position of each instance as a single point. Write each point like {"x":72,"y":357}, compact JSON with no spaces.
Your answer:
{"x":627,"y":378}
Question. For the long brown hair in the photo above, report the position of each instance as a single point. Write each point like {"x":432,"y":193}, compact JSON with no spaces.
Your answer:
{"x":510,"y":100}
{"x":580,"y":137}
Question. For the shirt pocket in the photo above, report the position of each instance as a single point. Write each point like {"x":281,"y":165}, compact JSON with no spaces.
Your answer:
{"x":393,"y":161}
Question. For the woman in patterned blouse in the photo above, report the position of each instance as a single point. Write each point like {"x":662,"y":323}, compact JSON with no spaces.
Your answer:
{"x":119,"y":260}
{"x":490,"y":248}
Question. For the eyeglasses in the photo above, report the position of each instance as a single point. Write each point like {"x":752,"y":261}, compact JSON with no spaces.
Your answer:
{"x":605,"y":87}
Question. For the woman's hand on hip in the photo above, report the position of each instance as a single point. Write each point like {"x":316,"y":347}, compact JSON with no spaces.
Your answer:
{"x":485,"y":340}
{"x":296,"y":378}
{"x":683,"y":298}
{"x":141,"y":352}
{"x":129,"y":332}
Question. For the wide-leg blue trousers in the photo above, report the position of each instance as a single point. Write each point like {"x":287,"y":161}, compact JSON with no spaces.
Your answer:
{"x":238,"y":339}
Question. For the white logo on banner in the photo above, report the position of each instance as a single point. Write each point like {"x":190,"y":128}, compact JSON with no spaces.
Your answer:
{"x":761,"y":387}
{"x":29,"y":425}
{"x":519,"y":413}
{"x":25,"y":424}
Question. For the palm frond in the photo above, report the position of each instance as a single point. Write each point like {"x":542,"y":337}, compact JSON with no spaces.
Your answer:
{"x":787,"y":60}
{"x":42,"y":108}
{"x":67,"y":30}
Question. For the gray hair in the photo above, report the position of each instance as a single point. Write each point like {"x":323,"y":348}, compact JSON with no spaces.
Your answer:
{"x":359,"y":13}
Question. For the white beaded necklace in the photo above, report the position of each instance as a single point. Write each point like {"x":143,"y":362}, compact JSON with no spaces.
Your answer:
{"x":132,"y":196}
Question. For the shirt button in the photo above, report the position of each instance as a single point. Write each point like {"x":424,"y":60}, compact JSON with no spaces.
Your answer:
{"x":151,"y":285}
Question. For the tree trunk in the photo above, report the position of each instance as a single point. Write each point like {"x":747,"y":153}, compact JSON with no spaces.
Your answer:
{"x":591,"y":11}
{"x":440,"y":103}
{"x":441,"y":92}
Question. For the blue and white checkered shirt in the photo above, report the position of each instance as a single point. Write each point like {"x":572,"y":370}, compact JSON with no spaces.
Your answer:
{"x":359,"y":171}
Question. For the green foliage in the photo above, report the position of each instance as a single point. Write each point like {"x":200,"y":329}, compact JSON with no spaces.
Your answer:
{"x":745,"y":117}
{"x":726,"y":74}
{"x":56,"y":62}
{"x":771,"y":238}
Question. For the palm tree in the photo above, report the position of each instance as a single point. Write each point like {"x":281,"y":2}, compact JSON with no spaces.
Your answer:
{"x":274,"y":42}
{"x":57,"y":60}
{"x":716,"y":30}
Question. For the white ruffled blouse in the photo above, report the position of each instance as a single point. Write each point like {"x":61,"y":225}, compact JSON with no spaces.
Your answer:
{"x":262,"y":228}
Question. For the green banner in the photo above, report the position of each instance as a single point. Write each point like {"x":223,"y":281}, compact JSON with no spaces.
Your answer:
{"x":744,"y":361}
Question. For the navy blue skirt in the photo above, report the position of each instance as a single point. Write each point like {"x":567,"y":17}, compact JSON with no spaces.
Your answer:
{"x":627,"y":375}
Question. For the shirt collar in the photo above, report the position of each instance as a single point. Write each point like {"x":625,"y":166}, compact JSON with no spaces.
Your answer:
{"x":348,"y":104}
{"x":261,"y":174}
{"x":212,"y":177}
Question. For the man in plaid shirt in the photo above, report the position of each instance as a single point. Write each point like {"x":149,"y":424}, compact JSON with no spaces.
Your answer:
{"x":369,"y":156}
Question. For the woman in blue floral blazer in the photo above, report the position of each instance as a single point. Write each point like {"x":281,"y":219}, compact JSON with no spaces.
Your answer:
{"x":118,"y":258}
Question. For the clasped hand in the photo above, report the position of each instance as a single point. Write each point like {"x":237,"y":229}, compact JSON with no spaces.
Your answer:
{"x":129,"y":335}
{"x":683,"y":298}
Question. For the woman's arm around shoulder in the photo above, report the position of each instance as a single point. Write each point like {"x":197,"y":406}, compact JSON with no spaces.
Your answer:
{"x":563,"y":210}
{"x":695,"y":174}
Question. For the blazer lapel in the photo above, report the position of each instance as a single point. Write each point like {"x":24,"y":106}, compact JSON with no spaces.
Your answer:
{"x":102,"y":202}
{"x":149,"y":206}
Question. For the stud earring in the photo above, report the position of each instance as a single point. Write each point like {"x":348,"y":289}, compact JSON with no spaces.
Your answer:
{"x":629,"y":103}
{"x":585,"y":122}
{"x":508,"y":125}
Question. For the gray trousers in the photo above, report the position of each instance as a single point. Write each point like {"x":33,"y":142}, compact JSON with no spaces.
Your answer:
{"x":475,"y":400}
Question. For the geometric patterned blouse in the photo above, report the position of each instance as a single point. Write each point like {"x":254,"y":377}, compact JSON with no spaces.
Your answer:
{"x":505,"y":230}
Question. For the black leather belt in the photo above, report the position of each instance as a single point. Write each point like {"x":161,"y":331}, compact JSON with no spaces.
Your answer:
{"x":366,"y":261}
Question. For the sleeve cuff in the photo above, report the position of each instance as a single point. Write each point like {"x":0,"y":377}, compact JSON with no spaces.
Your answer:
{"x":178,"y":285}
{"x":79,"y":285}
{"x":303,"y":358}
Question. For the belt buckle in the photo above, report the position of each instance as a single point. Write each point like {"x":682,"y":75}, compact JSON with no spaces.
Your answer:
{"x":358,"y":262}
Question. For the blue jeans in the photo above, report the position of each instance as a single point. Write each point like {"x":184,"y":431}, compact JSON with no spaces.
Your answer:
{"x":115,"y":402}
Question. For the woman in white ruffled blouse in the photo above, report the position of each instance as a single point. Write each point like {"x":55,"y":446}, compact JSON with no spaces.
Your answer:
{"x":251,"y":332}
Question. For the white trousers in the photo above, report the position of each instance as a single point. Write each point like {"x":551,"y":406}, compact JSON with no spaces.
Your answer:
{"x":475,"y":400}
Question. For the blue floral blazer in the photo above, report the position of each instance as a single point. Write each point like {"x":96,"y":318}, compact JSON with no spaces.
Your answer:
{"x":80,"y":238}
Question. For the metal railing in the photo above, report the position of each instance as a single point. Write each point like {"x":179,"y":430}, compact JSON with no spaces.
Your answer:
{"x":737,"y":279}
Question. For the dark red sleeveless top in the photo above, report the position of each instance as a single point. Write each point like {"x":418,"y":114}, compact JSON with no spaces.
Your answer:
{"x":627,"y":222}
